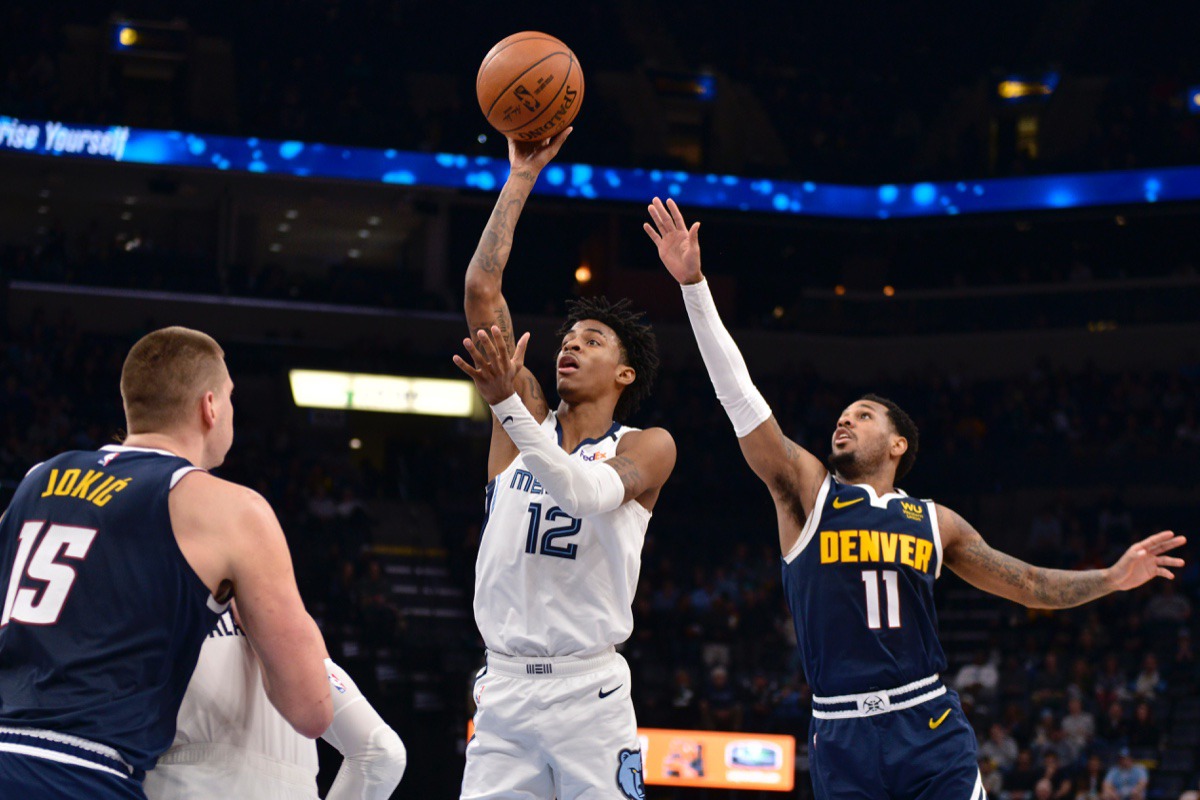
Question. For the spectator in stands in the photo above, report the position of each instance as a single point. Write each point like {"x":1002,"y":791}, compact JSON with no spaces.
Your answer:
{"x":1000,"y":747}
{"x":379,"y":616}
{"x":1168,"y":605}
{"x":992,"y":778}
{"x":1022,"y":779}
{"x":1184,"y":659}
{"x":683,"y":701}
{"x":1111,"y":682}
{"x":1114,"y":727}
{"x":720,"y":707}
{"x":1144,"y":733}
{"x":1049,"y":684}
{"x":1089,"y":783}
{"x":1126,"y":780}
{"x":1058,"y":775}
{"x":1149,"y":682}
{"x":978,"y":680}
{"x":1079,"y":724}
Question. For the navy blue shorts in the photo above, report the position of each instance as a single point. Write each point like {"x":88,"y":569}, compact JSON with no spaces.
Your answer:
{"x":31,"y":776}
{"x":927,"y":752}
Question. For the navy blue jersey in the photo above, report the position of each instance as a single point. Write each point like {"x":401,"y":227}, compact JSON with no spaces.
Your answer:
{"x":859,"y":584}
{"x":103,"y":617}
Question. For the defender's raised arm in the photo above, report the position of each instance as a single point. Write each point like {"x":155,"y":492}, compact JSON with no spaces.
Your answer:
{"x":986,"y":568}
{"x":791,"y":473}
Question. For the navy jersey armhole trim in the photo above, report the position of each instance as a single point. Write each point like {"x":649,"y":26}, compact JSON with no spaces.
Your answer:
{"x":215,"y":606}
{"x":814,"y":520}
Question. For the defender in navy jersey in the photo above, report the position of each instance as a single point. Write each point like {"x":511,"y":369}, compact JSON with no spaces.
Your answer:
{"x":859,"y":561}
{"x":115,"y":565}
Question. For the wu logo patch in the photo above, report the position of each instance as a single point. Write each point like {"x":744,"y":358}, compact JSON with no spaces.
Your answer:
{"x":629,"y":774}
{"x":914,"y":511}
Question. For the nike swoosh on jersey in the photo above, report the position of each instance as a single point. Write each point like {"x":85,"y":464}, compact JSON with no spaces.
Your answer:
{"x":940,"y":720}
{"x":506,"y":420}
{"x":837,"y":502}
{"x":604,"y":694}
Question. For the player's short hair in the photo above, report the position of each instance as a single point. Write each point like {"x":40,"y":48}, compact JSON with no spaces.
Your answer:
{"x":165,"y":373}
{"x":639,"y":347}
{"x":904,"y":426}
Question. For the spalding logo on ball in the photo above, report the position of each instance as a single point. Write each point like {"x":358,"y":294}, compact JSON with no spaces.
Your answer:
{"x":530,"y":86}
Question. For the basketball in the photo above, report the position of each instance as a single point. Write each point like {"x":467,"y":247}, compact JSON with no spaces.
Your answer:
{"x":530,"y":86}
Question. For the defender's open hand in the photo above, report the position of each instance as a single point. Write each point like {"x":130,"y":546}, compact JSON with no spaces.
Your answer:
{"x":494,"y":370}
{"x":1146,"y":560}
{"x":678,"y":245}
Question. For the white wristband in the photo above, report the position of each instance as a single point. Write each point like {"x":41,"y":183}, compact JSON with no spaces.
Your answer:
{"x":726,"y":368}
{"x":579,"y":489}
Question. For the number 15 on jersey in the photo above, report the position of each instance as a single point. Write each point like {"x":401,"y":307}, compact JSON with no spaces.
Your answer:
{"x":38,"y":561}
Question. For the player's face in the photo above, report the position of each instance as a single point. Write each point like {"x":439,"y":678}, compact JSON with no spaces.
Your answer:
{"x":589,"y":362}
{"x":862,"y":439}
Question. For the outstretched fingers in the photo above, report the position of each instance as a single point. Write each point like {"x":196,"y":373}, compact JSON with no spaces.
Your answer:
{"x":676,"y":215}
{"x":654,"y":235}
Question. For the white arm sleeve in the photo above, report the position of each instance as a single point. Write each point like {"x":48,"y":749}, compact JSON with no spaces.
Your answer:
{"x":580,"y":489}
{"x":374,"y":758}
{"x":745,"y":406}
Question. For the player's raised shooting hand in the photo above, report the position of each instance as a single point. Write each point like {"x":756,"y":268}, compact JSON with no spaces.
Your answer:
{"x":1145,"y":560}
{"x":532,"y":156}
{"x":494,"y":371}
{"x":678,"y":245}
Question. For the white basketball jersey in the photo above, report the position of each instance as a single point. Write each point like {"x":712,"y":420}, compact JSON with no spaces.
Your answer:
{"x":226,"y":705}
{"x":547,"y":584}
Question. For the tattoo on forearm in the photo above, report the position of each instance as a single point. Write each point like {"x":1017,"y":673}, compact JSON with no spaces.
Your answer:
{"x":491,"y":255}
{"x":1049,"y":588}
{"x":533,"y":390}
{"x":631,"y":476}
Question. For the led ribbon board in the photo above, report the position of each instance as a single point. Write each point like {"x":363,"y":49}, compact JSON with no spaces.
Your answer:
{"x":587,"y":182}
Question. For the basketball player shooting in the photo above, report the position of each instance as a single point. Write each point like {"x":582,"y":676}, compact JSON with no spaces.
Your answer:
{"x":859,"y":561}
{"x":569,"y":496}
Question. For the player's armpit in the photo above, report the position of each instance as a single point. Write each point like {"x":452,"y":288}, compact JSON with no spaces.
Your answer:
{"x":644,"y":461}
{"x":984,"y":567}
{"x":792,"y":473}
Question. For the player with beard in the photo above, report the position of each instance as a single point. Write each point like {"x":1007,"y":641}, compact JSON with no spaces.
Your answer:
{"x":569,"y":496}
{"x":859,"y":561}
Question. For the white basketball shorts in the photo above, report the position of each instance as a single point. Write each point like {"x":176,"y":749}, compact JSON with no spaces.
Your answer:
{"x":549,"y":728}
{"x":193,"y":771}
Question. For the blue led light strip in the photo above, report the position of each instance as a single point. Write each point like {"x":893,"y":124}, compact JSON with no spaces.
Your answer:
{"x":444,"y":170}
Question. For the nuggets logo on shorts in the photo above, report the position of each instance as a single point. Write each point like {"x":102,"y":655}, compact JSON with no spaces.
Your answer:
{"x":629,"y":774}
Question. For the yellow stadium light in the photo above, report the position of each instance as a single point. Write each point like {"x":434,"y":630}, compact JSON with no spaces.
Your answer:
{"x":394,"y":394}
{"x":583,"y":274}
{"x":1014,"y":90}
{"x":128,"y":37}
{"x":839,"y":290}
{"x":889,"y":291}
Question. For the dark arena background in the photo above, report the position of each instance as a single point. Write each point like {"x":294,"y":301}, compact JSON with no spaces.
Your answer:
{"x":988,"y":212}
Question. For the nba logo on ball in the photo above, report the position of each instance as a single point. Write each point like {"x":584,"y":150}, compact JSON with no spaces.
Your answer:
{"x":629,"y":774}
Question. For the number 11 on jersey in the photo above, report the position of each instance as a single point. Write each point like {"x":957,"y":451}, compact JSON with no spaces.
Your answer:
{"x":891,"y":582}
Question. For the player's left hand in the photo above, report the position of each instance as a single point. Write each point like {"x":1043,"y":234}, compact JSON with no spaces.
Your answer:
{"x":1145,"y":560}
{"x":494,"y":371}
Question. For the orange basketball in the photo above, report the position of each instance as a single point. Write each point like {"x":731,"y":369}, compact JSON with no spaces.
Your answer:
{"x":530,"y":86}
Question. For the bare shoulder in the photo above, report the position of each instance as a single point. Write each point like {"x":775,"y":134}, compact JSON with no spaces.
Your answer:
{"x":953,"y":529}
{"x":658,"y":440}
{"x":202,"y":502}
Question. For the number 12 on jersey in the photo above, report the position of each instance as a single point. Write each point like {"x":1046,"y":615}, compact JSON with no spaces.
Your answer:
{"x":22,"y":604}
{"x":570,"y":527}
{"x":891,"y":582}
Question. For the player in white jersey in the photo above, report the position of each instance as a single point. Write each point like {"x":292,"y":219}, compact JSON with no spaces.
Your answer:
{"x":230,"y":742}
{"x":569,"y":496}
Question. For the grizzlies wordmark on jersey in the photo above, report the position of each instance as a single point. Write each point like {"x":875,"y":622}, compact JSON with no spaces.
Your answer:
{"x":103,"y":617}
{"x":547,"y":583}
{"x":859,"y":583}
